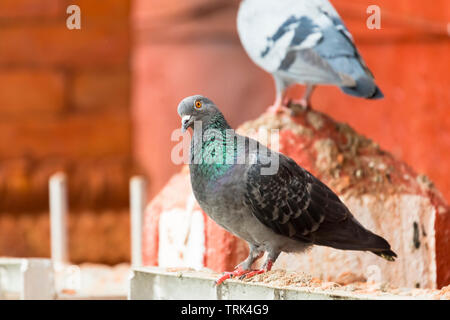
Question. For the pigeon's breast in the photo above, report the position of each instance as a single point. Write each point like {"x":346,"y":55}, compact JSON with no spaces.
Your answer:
{"x":217,"y":190}
{"x":222,"y":198}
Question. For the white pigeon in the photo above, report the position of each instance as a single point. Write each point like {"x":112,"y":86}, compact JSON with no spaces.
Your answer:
{"x":305,"y":42}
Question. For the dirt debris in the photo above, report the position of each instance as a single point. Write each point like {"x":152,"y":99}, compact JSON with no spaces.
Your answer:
{"x":289,"y":279}
{"x":444,"y":293}
{"x":274,"y":122}
{"x":282,"y":278}
{"x":315,"y":119}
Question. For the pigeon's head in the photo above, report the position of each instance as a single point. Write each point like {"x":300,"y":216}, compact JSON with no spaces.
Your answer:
{"x":196,"y":108}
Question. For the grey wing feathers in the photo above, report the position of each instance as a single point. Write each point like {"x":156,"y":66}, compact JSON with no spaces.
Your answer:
{"x":335,"y":59}
{"x":307,"y":64}
{"x":292,"y":202}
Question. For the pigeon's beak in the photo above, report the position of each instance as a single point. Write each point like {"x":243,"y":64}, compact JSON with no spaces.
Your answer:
{"x":186,"y":122}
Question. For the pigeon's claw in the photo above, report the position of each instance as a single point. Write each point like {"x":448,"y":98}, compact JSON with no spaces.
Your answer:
{"x":267,"y":267}
{"x":297,"y":107}
{"x":252,"y":274}
{"x":302,"y":105}
{"x":279,"y":106}
{"x":306,"y":104}
{"x":228,"y":275}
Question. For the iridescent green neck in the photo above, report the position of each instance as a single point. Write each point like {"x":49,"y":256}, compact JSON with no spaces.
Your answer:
{"x":218,"y":148}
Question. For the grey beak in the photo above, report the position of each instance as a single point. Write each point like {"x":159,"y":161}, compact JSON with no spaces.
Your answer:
{"x":186,"y":122}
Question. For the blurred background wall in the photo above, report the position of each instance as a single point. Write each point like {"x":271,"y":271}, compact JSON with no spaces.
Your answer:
{"x":64,"y":106}
{"x":100,"y":102}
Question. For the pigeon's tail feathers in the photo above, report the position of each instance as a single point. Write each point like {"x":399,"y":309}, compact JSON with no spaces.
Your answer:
{"x":378,"y":94}
{"x":351,"y":235}
{"x":388,"y":255}
{"x":364,"y":87}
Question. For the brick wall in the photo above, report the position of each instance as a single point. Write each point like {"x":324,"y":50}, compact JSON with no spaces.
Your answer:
{"x":64,"y":105}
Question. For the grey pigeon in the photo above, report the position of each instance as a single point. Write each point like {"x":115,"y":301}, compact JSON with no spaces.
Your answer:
{"x":306,"y":42}
{"x":286,"y":210}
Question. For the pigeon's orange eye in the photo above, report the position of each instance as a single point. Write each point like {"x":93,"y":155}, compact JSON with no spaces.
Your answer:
{"x":198,"y":104}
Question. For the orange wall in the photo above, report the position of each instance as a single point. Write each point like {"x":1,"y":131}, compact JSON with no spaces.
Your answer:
{"x":64,"y":105}
{"x":64,"y":99}
{"x":175,"y":56}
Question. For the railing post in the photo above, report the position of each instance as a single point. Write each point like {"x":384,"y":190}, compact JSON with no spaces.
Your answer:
{"x":138,"y":190}
{"x":58,"y":219}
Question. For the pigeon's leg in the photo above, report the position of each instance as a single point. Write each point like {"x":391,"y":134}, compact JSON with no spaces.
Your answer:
{"x":244,"y":267}
{"x":279,"y":104}
{"x":254,"y":255}
{"x":271,"y":258}
{"x":267,"y":266}
{"x":304,"y":102}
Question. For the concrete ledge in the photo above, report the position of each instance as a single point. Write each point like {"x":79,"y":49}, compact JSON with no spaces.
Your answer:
{"x":92,"y":282}
{"x":161,"y":284}
{"x":26,"y":279}
{"x":38,"y":279}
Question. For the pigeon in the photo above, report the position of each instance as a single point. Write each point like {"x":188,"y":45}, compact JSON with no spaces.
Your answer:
{"x":304,"y":42}
{"x":263,"y":196}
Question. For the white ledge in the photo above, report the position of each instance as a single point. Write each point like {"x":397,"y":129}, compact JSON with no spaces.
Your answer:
{"x":26,"y":279}
{"x":156,"y":283}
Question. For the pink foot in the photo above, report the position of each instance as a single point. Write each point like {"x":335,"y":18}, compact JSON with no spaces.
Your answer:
{"x":302,"y":103}
{"x":253,"y":273}
{"x":236,"y":273}
{"x":279,"y":106}
{"x":268,"y":267}
{"x":298,"y":106}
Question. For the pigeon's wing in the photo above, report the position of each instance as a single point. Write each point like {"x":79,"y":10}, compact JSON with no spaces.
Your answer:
{"x":306,"y":66}
{"x":339,"y":57}
{"x":297,"y":205}
{"x":292,"y":202}
{"x":329,"y":11}
{"x":301,"y":60}
{"x":335,"y":49}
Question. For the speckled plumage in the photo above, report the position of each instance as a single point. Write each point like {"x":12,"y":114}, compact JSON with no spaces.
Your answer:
{"x":287,"y":211}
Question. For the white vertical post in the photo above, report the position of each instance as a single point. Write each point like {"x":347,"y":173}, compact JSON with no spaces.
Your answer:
{"x":138,"y":190}
{"x":58,"y":219}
